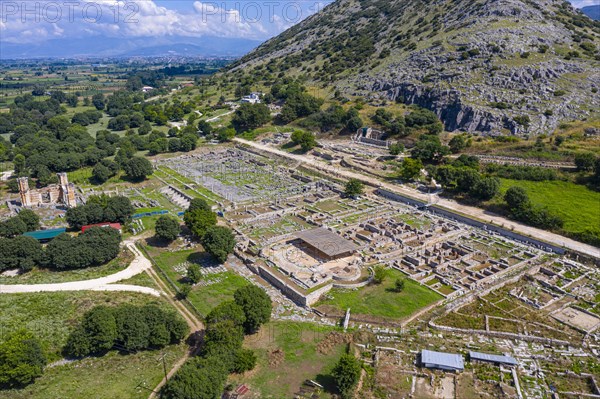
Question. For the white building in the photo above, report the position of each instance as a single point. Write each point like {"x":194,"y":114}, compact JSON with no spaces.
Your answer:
{"x":252,"y":98}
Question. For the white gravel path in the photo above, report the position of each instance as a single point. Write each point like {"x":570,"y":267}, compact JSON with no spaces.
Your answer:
{"x":137,"y":266}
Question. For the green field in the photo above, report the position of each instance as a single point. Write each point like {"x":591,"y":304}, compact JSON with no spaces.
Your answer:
{"x":576,"y":204}
{"x":51,"y":316}
{"x":380,"y":300}
{"x":301,"y":359}
{"x":219,"y":287}
{"x":111,"y":376}
{"x":43,"y":276}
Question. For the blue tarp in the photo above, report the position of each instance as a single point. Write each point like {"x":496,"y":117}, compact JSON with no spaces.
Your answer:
{"x":148,"y":214}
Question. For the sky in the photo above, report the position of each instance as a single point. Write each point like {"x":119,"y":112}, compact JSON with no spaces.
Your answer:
{"x":23,"y":22}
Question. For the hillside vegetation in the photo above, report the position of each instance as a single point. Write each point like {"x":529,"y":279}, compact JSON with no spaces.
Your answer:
{"x":495,"y":66}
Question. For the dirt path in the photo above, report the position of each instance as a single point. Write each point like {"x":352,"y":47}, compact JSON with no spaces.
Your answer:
{"x":190,"y":318}
{"x":137,"y":266}
{"x":473,"y":212}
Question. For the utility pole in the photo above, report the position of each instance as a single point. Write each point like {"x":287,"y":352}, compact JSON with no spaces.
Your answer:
{"x":164,"y":365}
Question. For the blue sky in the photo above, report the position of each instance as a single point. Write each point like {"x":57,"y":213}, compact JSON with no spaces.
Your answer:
{"x":24,"y":22}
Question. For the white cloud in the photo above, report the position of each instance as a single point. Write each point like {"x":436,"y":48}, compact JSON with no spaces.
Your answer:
{"x":139,"y":18}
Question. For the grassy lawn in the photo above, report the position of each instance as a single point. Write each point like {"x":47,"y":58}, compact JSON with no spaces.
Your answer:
{"x":576,"y":204}
{"x":380,"y":301}
{"x":301,"y":359}
{"x":206,"y":297}
{"x":42,"y":276}
{"x":214,"y":289}
{"x":112,"y":376}
{"x":51,"y":316}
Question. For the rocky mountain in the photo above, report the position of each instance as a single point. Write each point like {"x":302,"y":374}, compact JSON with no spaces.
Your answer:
{"x":491,"y":66}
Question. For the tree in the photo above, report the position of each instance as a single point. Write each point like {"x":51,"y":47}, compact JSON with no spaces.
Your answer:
{"x":585,"y":161}
{"x":19,"y":164}
{"x":12,"y":227}
{"x":198,"y":203}
{"x":78,"y":344}
{"x":198,"y":378}
{"x":199,"y":221}
{"x":223,"y":339}
{"x":399,"y":285}
{"x":306,"y":140}
{"x":20,"y":252}
{"x":100,"y":327}
{"x":256,"y":304}
{"x":167,"y":228}
{"x":486,"y":188}
{"x":411,"y":168}
{"x":458,"y":143}
{"x":354,"y":188}
{"x":225,"y":134}
{"x":101,"y":173}
{"x":72,"y":100}
{"x":245,"y":360}
{"x":21,"y":359}
{"x":380,"y":273}
{"x":194,"y":274}
{"x":429,"y":148}
{"x":396,"y":149}
{"x":218,"y":241}
{"x":346,"y":374}
{"x":184,"y":291}
{"x":250,"y":116}
{"x":132,"y":331}
{"x":30,"y":218}
{"x":228,"y":310}
{"x":516,"y":197}
{"x":98,"y":101}
{"x":138,"y":168}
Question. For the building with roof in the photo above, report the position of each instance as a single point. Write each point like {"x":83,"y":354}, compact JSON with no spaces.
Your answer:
{"x":252,"y":98}
{"x":491,"y":358}
{"x":327,"y":244}
{"x":45,"y":235}
{"x":442,"y":360}
{"x":116,"y":226}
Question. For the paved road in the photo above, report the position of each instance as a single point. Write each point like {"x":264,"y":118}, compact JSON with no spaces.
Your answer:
{"x":474,"y":212}
{"x":137,"y":266}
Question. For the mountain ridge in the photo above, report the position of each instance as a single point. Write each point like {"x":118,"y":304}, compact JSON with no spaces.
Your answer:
{"x":117,"y":47}
{"x":492,"y":66}
{"x":592,"y":11}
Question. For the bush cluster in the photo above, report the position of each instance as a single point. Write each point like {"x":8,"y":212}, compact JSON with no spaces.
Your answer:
{"x":204,"y":376}
{"x":126,"y":328}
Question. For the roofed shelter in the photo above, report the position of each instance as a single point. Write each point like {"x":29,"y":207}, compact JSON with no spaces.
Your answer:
{"x":490,"y":358}
{"x":442,"y":360}
{"x":45,"y":235}
{"x":327,"y":244}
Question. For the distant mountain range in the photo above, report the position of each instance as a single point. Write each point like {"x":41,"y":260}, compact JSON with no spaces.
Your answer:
{"x":592,"y":11}
{"x":116,"y":47}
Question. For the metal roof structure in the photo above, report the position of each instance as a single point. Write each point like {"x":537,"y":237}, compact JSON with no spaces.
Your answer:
{"x":487,"y":357}
{"x":42,"y":235}
{"x":442,"y":360}
{"x":330,"y":243}
{"x":116,"y":226}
